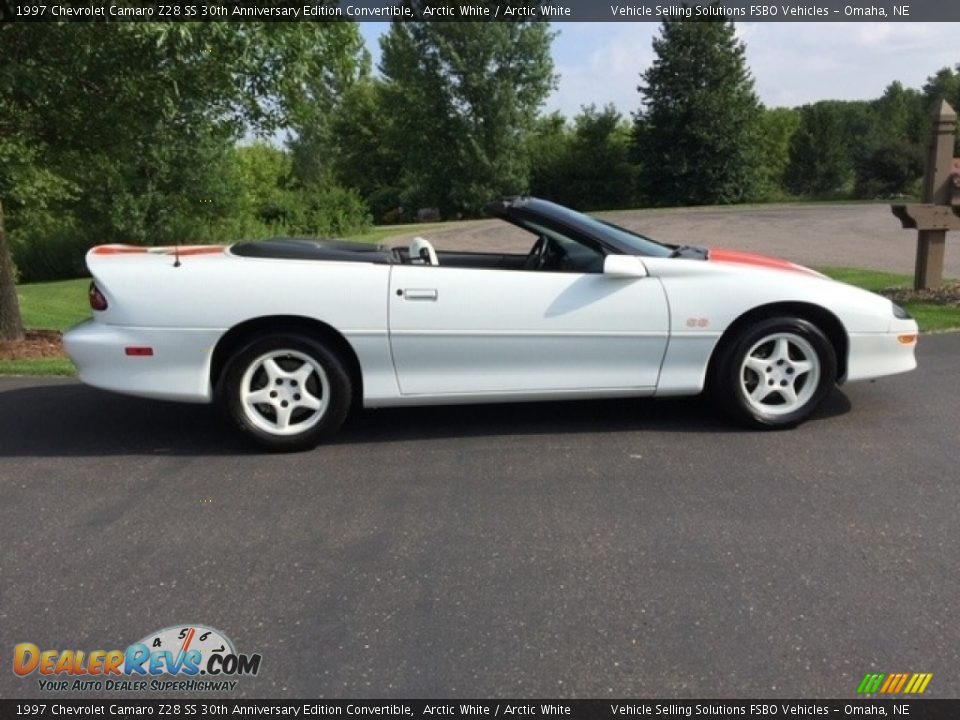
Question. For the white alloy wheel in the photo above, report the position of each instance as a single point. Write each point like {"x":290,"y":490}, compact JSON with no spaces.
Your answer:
{"x":780,"y":374}
{"x":284,"y":392}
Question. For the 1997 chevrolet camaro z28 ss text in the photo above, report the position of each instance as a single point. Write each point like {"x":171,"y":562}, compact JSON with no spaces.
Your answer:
{"x":288,"y":334}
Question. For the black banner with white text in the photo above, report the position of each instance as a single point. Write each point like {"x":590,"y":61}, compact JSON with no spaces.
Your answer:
{"x":510,"y":709}
{"x":479,"y":10}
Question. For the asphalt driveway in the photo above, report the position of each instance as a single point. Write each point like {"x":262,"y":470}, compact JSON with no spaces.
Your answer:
{"x":616,"y":548}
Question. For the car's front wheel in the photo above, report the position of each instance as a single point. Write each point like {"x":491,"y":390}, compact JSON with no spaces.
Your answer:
{"x":774,"y":374}
{"x":286,"y":391}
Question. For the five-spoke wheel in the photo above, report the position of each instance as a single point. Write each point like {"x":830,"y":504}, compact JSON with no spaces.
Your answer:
{"x":776,"y":372}
{"x":285,"y":392}
{"x":780,"y":373}
{"x":288,"y":391}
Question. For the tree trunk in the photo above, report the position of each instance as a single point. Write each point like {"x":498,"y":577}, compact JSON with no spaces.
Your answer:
{"x":11,"y":325}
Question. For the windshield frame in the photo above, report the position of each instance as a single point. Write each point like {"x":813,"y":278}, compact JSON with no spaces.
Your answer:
{"x":611,"y":238}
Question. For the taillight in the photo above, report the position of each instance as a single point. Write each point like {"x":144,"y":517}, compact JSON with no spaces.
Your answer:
{"x":97,"y":300}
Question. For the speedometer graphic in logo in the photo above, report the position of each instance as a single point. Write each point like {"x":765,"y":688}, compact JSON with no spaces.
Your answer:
{"x":182,"y":639}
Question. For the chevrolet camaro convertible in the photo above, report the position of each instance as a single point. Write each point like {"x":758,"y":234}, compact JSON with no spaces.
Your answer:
{"x":288,"y":335}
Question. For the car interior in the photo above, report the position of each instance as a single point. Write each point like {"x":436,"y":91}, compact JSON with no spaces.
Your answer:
{"x":551,"y":251}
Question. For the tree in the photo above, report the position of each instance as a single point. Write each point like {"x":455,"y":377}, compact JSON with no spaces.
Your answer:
{"x":549,"y":147}
{"x":888,"y":158}
{"x":605,"y":177}
{"x":778,"y":126}
{"x":318,"y":99}
{"x":264,"y":188}
{"x":825,"y":146}
{"x":900,"y":113}
{"x":587,"y":166}
{"x":124,"y":128}
{"x":889,"y":168}
{"x":697,"y":131}
{"x":363,"y":160}
{"x":943,"y":85}
{"x":462,"y":97}
{"x":11,"y":326}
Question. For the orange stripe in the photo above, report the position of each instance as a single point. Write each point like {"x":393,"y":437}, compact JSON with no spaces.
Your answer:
{"x":903,"y":679}
{"x":187,"y":639}
{"x":889,"y":682}
{"x":121,"y":250}
{"x":165,"y":250}
{"x":742,"y":258}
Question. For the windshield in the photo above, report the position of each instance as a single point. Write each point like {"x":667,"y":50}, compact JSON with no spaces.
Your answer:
{"x":613,"y":234}
{"x":641,"y":243}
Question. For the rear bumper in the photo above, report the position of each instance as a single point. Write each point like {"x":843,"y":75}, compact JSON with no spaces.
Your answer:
{"x":874,"y":355}
{"x":178,"y":369}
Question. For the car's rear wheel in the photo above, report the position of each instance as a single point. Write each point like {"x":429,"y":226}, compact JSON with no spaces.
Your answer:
{"x":286,"y":391}
{"x":774,"y":374}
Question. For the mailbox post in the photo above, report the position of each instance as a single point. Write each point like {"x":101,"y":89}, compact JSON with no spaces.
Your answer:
{"x":940,"y":209}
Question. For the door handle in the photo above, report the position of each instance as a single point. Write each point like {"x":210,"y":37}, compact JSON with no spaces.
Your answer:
{"x":420,"y":294}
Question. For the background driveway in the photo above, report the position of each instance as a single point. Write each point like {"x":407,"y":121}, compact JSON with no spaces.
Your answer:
{"x":864,"y":235}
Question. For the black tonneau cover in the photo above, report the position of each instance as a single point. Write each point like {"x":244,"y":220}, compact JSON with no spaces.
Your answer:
{"x":315,"y":249}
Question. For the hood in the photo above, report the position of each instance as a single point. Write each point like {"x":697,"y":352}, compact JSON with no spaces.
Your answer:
{"x":722,"y":255}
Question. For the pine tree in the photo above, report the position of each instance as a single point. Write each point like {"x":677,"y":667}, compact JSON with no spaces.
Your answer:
{"x":696,"y":135}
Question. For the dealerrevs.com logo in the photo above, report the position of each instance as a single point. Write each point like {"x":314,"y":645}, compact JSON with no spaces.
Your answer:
{"x":178,"y":658}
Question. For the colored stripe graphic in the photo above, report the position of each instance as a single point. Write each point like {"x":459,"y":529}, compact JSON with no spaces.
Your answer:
{"x":871,"y":683}
{"x":891,"y":681}
{"x":907,"y":683}
{"x":918,"y":683}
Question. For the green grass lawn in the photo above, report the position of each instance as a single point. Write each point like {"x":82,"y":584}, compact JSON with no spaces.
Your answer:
{"x":54,"y":305}
{"x":49,"y":306}
{"x":867,"y":279}
{"x":58,"y":305}
{"x":929,"y":316}
{"x":39,"y":366}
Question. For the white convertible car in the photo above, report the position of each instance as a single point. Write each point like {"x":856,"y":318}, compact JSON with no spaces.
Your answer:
{"x":288,"y":335}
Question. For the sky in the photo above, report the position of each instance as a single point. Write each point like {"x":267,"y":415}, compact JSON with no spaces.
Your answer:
{"x":792,"y":63}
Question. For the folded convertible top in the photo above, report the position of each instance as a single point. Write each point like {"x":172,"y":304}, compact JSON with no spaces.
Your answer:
{"x":315,"y":249}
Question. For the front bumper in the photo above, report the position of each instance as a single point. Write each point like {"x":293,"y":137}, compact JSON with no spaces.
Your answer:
{"x":178,"y":369}
{"x":874,"y":355}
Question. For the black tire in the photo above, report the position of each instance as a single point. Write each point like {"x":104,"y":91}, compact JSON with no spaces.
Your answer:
{"x":304,"y":373}
{"x":753,"y":381}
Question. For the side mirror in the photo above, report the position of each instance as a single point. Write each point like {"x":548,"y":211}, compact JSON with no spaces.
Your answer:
{"x":624,"y":266}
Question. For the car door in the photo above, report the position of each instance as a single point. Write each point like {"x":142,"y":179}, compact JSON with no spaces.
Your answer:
{"x":488,"y":331}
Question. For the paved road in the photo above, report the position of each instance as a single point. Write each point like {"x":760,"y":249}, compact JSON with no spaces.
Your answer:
{"x":617,"y":548}
{"x":863,"y":235}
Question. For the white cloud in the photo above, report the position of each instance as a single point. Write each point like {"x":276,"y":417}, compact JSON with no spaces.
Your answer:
{"x":796,"y":63}
{"x":600,"y":63}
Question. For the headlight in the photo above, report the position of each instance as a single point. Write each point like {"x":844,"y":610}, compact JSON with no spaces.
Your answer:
{"x":899,"y":312}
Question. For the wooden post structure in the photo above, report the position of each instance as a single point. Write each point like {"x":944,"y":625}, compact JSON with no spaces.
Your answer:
{"x":935,"y":215}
